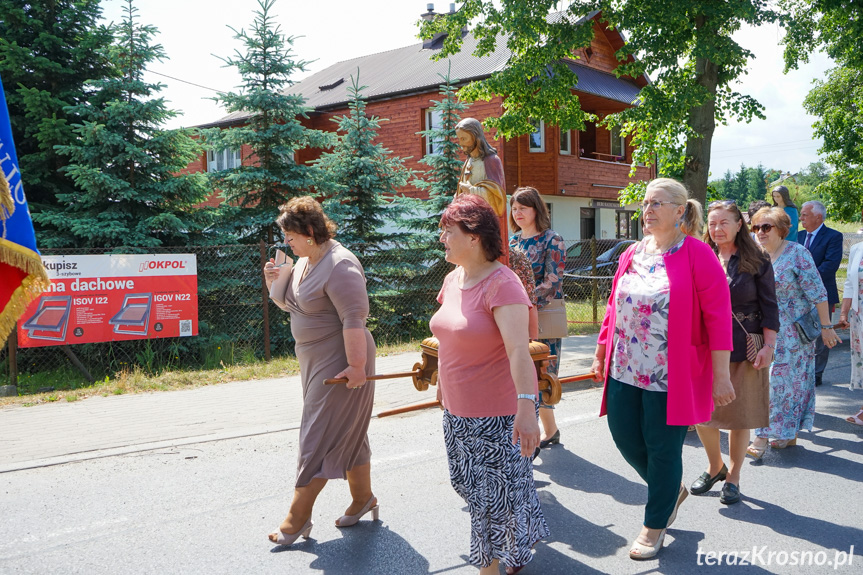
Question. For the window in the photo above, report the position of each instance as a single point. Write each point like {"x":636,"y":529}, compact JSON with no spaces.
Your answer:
{"x":618,"y":143}
{"x":625,"y":225}
{"x":225,"y":159}
{"x":565,"y":142}
{"x":434,"y":121}
{"x":536,"y":139}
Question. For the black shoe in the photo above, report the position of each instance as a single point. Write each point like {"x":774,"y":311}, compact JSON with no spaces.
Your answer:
{"x":705,"y":483}
{"x":551,"y":440}
{"x":535,"y":454}
{"x":730,"y":494}
{"x":818,"y":381}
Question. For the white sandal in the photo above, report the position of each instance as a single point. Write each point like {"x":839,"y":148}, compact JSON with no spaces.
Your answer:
{"x":856,"y":419}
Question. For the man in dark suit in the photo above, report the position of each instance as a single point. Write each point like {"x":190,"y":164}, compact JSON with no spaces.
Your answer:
{"x":825,"y":244}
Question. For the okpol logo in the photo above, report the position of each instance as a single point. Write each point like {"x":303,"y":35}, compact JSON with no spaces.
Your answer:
{"x":162,"y":265}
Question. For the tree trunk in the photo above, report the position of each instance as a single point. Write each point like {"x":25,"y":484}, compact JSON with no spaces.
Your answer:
{"x":702,"y":120}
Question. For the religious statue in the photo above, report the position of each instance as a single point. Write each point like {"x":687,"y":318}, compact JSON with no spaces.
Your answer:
{"x":482,"y":173}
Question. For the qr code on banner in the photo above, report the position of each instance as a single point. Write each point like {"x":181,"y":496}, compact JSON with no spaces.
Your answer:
{"x":185,"y":327}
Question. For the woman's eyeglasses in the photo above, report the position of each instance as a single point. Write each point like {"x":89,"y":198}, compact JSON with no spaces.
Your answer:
{"x":655,"y":205}
{"x":765,"y":227}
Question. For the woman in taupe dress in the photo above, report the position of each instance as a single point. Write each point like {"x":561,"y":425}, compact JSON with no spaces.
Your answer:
{"x":754,"y":310}
{"x":325,"y":293}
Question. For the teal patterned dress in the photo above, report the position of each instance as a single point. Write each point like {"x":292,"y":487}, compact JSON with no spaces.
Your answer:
{"x":792,"y":373}
{"x":547,"y":254}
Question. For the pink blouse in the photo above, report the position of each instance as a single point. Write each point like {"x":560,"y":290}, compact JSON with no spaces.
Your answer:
{"x":473,"y":368}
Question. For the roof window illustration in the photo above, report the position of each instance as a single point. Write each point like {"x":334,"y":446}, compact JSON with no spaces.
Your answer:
{"x":134,"y":316}
{"x":50,"y":320}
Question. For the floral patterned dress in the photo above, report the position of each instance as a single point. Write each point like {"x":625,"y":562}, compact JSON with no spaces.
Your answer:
{"x":547,"y":255}
{"x":792,"y":373}
{"x":640,"y":355}
{"x":856,"y":321}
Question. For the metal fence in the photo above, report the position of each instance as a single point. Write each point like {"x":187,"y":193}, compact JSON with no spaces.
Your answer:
{"x":238,"y":323}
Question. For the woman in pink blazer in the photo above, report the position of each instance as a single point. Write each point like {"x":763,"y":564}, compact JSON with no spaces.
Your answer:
{"x":663,"y":351}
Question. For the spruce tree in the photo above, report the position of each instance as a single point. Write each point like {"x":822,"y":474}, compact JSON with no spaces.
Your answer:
{"x":48,"y":52}
{"x":270,"y":175}
{"x":127,"y":170}
{"x":424,"y":251}
{"x":363,"y":179}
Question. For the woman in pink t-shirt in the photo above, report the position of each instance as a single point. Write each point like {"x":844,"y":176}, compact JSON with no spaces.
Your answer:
{"x":488,"y":388}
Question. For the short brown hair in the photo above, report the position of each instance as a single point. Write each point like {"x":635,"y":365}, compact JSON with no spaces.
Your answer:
{"x":530,"y":198}
{"x":304,"y":215}
{"x":775,"y":216}
{"x":474,"y":216}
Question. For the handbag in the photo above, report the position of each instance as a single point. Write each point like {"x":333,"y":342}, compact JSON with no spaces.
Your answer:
{"x":808,"y":326}
{"x":754,"y":342}
{"x":552,"y":320}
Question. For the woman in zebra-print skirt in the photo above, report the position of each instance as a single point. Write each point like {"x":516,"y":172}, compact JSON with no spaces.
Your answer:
{"x":487,"y":385}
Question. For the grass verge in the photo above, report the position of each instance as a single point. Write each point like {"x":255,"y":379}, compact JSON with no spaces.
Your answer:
{"x":70,"y":387}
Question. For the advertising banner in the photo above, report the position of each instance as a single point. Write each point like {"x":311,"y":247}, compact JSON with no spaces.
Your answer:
{"x":113,"y":298}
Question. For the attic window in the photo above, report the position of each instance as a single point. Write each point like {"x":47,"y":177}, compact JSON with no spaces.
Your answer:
{"x":588,"y":52}
{"x":326,"y":87}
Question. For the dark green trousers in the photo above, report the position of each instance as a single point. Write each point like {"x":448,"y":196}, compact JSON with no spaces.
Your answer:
{"x":653,"y":448}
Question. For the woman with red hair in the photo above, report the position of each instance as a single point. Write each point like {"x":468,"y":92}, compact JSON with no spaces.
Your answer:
{"x":488,"y":389}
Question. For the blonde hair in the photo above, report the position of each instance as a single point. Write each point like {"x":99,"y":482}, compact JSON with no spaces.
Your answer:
{"x":692,"y":222}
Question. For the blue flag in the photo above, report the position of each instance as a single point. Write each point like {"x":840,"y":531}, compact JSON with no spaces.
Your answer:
{"x":22,"y":275}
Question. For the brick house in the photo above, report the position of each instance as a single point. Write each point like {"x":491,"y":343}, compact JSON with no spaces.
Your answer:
{"x":579,"y":172}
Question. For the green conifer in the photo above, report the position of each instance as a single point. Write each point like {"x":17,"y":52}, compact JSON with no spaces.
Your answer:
{"x":126,"y":168}
{"x":272,"y":134}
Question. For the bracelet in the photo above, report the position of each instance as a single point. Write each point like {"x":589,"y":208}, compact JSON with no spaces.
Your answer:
{"x":770,"y":346}
{"x":827,"y":326}
{"x":529,"y":396}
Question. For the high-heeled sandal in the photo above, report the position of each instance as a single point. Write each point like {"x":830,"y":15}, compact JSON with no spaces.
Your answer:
{"x":856,"y":419}
{"x":349,"y":520}
{"x":757,"y":451}
{"x":783,"y":443}
{"x":639,"y":551}
{"x":283,"y":538}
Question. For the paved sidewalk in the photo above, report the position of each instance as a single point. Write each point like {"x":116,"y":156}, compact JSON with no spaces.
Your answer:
{"x":56,"y":433}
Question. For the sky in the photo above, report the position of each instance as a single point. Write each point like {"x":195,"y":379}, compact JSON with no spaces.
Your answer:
{"x":196,"y":34}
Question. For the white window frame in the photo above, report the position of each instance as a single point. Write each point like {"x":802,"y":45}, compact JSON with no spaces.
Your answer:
{"x":539,"y":129}
{"x":224,"y":159}
{"x":568,"y":149}
{"x":434,"y":120}
{"x":621,"y":141}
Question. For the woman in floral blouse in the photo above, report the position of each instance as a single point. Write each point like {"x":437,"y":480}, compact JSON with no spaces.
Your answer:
{"x":547,"y":254}
{"x":664,"y":365}
{"x":792,"y":374}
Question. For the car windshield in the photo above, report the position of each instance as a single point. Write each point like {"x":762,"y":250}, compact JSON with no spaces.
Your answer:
{"x":607,"y":255}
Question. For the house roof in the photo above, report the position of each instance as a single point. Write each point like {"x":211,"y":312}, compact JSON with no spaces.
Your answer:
{"x":411,"y":70}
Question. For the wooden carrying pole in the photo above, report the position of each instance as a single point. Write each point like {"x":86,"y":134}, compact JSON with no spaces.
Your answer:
{"x":375,"y":377}
{"x":409,"y":408}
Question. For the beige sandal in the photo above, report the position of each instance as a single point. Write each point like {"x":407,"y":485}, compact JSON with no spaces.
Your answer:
{"x":757,"y":451}
{"x":640,"y":552}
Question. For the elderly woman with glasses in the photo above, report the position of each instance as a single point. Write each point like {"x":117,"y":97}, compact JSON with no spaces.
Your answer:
{"x":792,"y":375}
{"x":663,"y":351}
{"x":753,"y":304}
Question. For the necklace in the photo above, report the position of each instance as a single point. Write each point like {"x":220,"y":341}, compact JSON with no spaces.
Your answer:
{"x":310,"y":265}
{"x":661,"y":251}
{"x":778,"y":250}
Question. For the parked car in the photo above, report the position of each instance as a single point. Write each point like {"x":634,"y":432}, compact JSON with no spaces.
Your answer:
{"x":577,"y":282}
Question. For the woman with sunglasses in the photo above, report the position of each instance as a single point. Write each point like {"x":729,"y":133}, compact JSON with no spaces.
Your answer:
{"x":753,"y":304}
{"x":792,"y":374}
{"x":663,"y":351}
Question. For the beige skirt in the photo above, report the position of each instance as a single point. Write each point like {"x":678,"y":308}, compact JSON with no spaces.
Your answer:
{"x":751,"y":406}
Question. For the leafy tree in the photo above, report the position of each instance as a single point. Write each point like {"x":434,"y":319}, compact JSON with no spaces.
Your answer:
{"x":684,"y":45}
{"x":363,"y":178}
{"x":48,"y":52}
{"x":274,"y":131}
{"x":126,"y":168}
{"x":837,"y":101}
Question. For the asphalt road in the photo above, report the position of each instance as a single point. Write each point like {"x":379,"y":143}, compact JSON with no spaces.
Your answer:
{"x":207,"y":507}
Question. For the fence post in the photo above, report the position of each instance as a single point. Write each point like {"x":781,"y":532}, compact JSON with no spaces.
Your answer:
{"x":265,"y":301}
{"x":594,"y":292}
{"x":11,"y":390}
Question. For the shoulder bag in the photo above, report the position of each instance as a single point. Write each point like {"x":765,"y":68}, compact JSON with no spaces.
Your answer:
{"x":808,"y":326}
{"x":754,"y":342}
{"x":552,"y":320}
